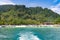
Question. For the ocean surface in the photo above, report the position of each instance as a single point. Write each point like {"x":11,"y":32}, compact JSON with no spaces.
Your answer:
{"x":29,"y":33}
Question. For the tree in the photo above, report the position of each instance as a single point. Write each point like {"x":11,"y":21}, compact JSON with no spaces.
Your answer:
{"x":57,"y":21}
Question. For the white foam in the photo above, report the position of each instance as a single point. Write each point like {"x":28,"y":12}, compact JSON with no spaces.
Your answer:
{"x":28,"y":36}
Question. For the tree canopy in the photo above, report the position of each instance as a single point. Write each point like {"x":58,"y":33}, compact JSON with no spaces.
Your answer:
{"x":19,"y":14}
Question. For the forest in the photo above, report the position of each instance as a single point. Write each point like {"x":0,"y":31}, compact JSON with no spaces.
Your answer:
{"x":22,"y":15}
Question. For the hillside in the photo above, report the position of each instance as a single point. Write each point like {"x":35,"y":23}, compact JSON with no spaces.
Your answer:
{"x":19,"y":14}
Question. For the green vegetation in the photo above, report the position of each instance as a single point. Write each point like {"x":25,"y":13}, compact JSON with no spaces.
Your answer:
{"x":19,"y":14}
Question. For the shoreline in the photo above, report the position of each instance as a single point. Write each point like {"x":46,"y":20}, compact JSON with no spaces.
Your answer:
{"x":12,"y":26}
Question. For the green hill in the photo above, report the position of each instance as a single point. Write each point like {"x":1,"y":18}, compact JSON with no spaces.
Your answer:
{"x":19,"y":14}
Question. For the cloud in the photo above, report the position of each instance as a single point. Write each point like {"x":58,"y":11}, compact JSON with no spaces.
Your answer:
{"x":56,"y":8}
{"x":4,"y":2}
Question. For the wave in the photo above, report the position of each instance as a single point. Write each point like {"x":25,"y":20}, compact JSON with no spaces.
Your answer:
{"x":27,"y":36}
{"x":3,"y":36}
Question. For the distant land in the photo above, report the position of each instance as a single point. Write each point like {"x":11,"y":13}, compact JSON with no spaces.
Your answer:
{"x":22,"y":15}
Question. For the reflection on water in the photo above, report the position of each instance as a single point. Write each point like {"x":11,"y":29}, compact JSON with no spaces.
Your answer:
{"x":28,"y":36}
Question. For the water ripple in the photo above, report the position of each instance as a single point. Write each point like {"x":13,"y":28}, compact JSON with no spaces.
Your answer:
{"x":27,"y":36}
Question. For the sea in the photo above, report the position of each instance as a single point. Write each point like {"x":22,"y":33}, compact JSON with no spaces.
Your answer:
{"x":29,"y":33}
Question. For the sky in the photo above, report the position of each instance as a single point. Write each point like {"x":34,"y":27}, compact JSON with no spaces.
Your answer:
{"x":54,"y":5}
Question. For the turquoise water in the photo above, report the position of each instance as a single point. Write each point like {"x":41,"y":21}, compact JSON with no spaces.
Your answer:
{"x":29,"y":33}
